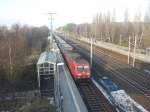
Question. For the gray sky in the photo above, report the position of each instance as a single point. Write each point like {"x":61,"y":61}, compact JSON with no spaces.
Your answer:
{"x":77,"y":11}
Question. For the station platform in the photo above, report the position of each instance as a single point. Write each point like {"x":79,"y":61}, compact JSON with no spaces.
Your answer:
{"x":55,"y":82}
{"x":67,"y":94}
{"x":119,"y":49}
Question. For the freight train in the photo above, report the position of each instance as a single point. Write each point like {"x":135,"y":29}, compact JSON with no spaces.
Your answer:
{"x":119,"y":97}
{"x":78,"y":66}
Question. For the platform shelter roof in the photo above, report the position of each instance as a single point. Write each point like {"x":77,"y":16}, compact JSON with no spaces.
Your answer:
{"x":47,"y":57}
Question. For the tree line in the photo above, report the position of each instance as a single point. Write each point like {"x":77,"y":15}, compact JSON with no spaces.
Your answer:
{"x":19,"y":47}
{"x":105,"y":27}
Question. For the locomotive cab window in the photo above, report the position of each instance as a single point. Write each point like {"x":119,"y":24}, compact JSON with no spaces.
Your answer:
{"x":80,"y":68}
{"x":83,"y":68}
{"x":86,"y":69}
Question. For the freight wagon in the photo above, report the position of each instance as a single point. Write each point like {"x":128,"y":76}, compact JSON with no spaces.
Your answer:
{"x":120,"y":98}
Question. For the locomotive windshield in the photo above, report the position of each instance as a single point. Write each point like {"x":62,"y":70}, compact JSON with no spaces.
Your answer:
{"x":83,"y":68}
{"x":86,"y":68}
{"x":80,"y":68}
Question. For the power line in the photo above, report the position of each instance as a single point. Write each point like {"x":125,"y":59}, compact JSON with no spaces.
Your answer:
{"x":51,"y":25}
{"x":51,"y":18}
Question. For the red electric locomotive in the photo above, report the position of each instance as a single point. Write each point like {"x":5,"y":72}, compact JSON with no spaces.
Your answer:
{"x":78,"y":66}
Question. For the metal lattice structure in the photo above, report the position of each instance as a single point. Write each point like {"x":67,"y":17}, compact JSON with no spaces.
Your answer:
{"x":46,"y":67}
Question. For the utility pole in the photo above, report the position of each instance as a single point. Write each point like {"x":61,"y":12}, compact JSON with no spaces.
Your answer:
{"x":51,"y":18}
{"x":51,"y":25}
{"x":120,"y":40}
{"x":87,"y":30}
{"x":91,"y":53}
{"x":129,"y":50}
{"x":10,"y":60}
{"x":141,"y":39}
{"x":135,"y":41}
{"x":95,"y":31}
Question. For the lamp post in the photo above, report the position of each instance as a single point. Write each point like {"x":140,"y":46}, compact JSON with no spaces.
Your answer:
{"x":58,"y":82}
{"x":91,"y":52}
{"x":129,"y":50}
{"x":59,"y":65}
{"x":135,"y":41}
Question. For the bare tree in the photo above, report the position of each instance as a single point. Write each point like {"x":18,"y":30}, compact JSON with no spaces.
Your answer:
{"x":126,"y":16}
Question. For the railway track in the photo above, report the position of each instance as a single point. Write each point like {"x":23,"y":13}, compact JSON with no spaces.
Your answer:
{"x":136,"y":78}
{"x":127,"y":77}
{"x":132,"y":75}
{"x":119,"y":63}
{"x":93,"y":97}
{"x":95,"y":100}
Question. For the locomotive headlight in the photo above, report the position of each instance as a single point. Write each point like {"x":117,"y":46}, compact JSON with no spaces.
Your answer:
{"x":79,"y":74}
